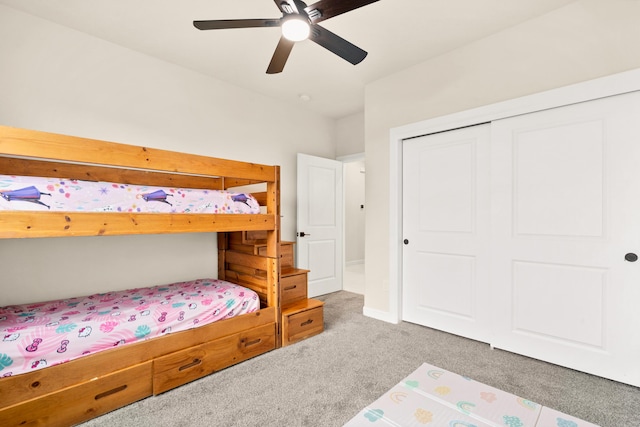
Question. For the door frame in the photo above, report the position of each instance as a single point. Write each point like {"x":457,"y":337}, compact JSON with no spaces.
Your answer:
{"x":349,"y":158}
{"x":616,"y":84}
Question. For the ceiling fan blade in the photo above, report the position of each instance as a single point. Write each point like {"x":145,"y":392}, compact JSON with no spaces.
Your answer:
{"x":280,"y":56}
{"x":325,"y":9}
{"x":223,"y":24}
{"x":337,"y":44}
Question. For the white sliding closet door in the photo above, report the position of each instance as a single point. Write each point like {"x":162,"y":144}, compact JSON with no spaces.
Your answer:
{"x":446,"y":231}
{"x":565,"y":212}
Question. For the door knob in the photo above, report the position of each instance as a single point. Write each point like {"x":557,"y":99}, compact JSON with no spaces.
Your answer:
{"x":406,"y":241}
{"x":302,"y":234}
{"x":631,"y":257}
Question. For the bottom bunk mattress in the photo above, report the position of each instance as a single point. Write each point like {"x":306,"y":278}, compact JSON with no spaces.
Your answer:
{"x":49,"y":333}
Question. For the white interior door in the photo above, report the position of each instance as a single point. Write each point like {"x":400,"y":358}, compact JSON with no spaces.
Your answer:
{"x":565,"y":212}
{"x":446,"y":231}
{"x":319,"y":243}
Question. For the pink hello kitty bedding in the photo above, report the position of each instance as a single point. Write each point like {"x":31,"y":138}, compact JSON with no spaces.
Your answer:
{"x":54,"y":194}
{"x":43,"y":334}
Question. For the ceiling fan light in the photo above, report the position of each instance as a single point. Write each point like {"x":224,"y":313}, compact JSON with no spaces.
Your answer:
{"x":295,"y":29}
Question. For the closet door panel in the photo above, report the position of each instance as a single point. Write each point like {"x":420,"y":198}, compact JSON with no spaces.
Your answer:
{"x":558,"y":178}
{"x":564,"y":216}
{"x":445,"y":208}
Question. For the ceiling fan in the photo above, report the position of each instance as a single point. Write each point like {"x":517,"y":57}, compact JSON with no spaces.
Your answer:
{"x":299,"y":22}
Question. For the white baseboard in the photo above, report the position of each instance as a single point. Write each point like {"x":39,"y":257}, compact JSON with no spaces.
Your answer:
{"x":354,"y":262}
{"x":380,"y":315}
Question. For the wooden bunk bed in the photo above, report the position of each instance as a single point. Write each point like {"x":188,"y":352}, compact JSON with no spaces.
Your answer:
{"x":84,"y":388}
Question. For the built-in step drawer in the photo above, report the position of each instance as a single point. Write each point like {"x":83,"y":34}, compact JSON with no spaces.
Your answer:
{"x":286,"y":253}
{"x":183,"y":366}
{"x":83,"y":401}
{"x":255,"y":243}
{"x":302,"y":320}
{"x":293,"y":282}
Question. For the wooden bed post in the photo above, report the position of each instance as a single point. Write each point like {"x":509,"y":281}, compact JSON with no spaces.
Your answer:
{"x":274,"y":293}
{"x":223,"y":245}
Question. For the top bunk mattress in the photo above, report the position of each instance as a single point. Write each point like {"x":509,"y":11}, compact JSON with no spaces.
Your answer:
{"x":25,"y":193}
{"x":43,"y":334}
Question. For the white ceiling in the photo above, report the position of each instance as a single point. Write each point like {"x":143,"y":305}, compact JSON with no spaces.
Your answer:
{"x":396,"y":33}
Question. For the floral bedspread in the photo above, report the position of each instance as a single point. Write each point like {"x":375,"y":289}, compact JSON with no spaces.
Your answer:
{"x":48,"y":333}
{"x":37,"y":193}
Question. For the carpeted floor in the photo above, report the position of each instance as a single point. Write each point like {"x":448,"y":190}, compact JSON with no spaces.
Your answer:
{"x":327,"y":379}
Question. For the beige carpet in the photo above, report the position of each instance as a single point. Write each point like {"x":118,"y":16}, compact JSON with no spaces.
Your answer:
{"x":327,"y":379}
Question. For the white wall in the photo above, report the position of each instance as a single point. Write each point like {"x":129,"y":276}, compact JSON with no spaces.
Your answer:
{"x":584,"y":40}
{"x":59,"y":80}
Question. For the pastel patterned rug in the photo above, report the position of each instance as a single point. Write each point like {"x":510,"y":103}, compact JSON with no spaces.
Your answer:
{"x":432,"y":397}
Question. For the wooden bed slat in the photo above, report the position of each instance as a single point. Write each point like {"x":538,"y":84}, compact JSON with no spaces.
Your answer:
{"x":236,"y":182}
{"x":247,"y":260}
{"x":15,"y":166}
{"x":15,"y":224}
{"x":261,"y":197}
{"x":44,"y":145}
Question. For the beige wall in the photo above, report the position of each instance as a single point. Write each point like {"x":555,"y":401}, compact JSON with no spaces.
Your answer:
{"x":350,"y":135}
{"x":354,"y":202}
{"x":56,"y":79}
{"x":582,"y":41}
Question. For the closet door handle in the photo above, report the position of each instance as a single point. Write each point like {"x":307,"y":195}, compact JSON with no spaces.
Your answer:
{"x":406,"y":241}
{"x":631,"y":257}
{"x":302,"y":234}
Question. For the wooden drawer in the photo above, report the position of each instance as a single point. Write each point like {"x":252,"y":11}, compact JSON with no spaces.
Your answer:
{"x":286,"y":253}
{"x":294,"y":286}
{"x":183,"y":366}
{"x":302,"y":320}
{"x":249,"y":238}
{"x":238,"y":242}
{"x":254,"y":237}
{"x":83,"y":401}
